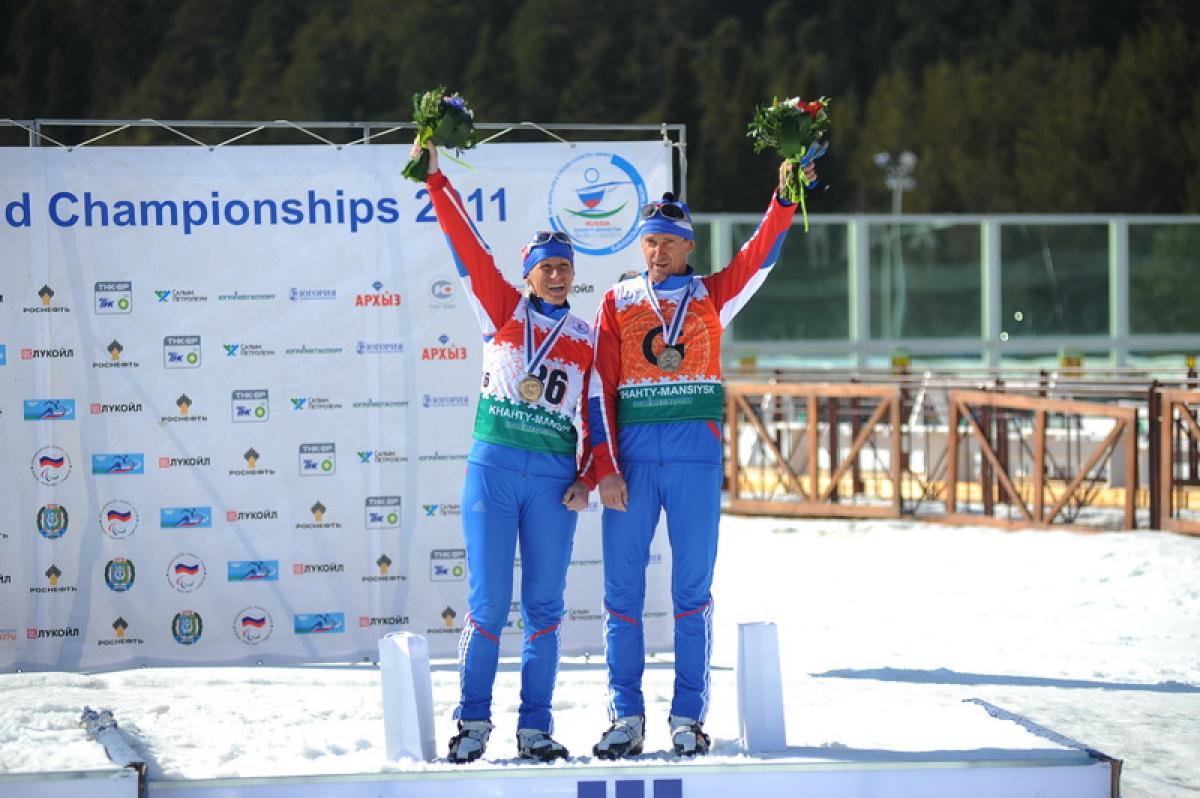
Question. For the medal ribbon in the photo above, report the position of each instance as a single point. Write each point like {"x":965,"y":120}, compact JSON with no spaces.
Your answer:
{"x":533,"y":359}
{"x":670,"y":333}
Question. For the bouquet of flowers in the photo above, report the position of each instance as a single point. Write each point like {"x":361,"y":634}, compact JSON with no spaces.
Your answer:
{"x":446,"y":120}
{"x":795,"y":129}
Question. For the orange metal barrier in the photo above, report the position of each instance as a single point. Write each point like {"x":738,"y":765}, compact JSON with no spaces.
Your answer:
{"x":1031,"y":493}
{"x":792,"y":425}
{"x":1010,"y":448}
{"x":1178,"y":443}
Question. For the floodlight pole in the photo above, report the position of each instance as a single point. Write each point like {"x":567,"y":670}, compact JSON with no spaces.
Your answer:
{"x":898,"y":177}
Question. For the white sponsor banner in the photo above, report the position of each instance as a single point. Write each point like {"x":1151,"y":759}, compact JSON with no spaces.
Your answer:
{"x":237,"y":390}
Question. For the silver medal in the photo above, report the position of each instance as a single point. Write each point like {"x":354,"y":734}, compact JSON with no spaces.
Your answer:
{"x":670,"y":359}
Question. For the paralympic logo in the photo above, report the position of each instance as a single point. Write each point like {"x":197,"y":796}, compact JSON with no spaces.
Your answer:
{"x":253,"y":625}
{"x":50,"y":465}
{"x":595,"y":198}
{"x":118,"y":519}
{"x":186,"y":573}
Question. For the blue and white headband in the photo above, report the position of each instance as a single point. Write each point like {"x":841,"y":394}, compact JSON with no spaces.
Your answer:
{"x":543,"y":245}
{"x":667,"y":216}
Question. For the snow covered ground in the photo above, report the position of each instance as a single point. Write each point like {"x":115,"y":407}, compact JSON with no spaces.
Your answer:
{"x":885,"y":628}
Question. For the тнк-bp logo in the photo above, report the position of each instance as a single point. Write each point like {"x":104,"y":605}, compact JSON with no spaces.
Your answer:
{"x":181,"y":351}
{"x":317,"y":459}
{"x":447,"y":565}
{"x":250,"y":406}
{"x":114,"y":297}
{"x":383,"y":512}
{"x":595,"y":198}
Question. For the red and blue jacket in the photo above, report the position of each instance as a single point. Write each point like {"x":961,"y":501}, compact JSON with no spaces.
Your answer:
{"x":630,"y":397}
{"x":503,"y":418}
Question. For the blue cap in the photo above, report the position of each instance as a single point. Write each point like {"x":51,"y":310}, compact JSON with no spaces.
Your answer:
{"x":533,"y":254}
{"x":658,"y":222}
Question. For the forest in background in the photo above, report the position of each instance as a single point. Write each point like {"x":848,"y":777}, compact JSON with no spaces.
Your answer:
{"x":1026,"y":106}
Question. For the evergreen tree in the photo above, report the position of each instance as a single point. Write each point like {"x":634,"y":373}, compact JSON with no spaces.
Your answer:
{"x":1075,"y":106}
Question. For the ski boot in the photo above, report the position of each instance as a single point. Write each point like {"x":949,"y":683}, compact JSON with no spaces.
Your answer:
{"x":689,"y":738}
{"x":624,"y":738}
{"x":470,"y":742}
{"x":537,"y":744}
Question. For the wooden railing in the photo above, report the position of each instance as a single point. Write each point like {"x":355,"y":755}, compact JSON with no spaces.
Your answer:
{"x":970,"y":411}
{"x":1011,"y":459}
{"x":779,"y":470}
{"x":1178,"y":445}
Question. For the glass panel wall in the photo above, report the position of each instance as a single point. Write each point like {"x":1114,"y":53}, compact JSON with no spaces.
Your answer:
{"x":1054,"y":279}
{"x":925,"y":280}
{"x":1164,"y":278}
{"x":925,"y":287}
{"x":807,"y":296}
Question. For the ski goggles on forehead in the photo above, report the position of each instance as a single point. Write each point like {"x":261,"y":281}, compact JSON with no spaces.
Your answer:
{"x":546,"y":236}
{"x":667,"y":210}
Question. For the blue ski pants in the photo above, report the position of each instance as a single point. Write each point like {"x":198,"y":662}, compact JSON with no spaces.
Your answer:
{"x":690,"y":493}
{"x":504,"y":507}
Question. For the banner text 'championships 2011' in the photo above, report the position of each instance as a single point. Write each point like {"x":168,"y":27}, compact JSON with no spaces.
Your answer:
{"x":67,"y":209}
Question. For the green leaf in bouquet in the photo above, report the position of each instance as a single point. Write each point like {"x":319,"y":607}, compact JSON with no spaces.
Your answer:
{"x":792,"y":135}
{"x":455,"y":129}
{"x":417,"y":169}
{"x":446,"y":121}
{"x":427,"y":105}
{"x":790,"y":127}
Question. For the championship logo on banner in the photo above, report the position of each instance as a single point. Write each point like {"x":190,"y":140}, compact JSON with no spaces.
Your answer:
{"x":595,"y":198}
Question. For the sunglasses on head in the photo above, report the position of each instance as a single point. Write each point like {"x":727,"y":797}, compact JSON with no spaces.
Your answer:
{"x":546,"y":236}
{"x":668,"y":210}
